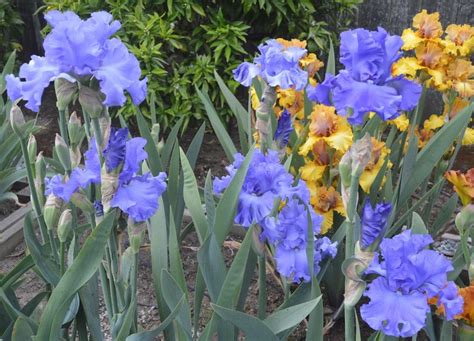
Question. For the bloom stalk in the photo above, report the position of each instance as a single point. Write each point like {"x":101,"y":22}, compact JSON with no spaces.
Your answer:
{"x":264,"y":110}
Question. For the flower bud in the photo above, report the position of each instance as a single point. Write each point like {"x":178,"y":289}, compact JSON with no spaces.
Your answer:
{"x":51,"y":211}
{"x":360,"y":153}
{"x":345,"y":169}
{"x":17,"y":121}
{"x":105,"y":125}
{"x":155,"y":132}
{"x":40,"y":174}
{"x":64,"y":225}
{"x":136,"y":234}
{"x":66,"y":92}
{"x":465,"y":219}
{"x":32,"y":149}
{"x":62,"y":151}
{"x":108,"y":188}
{"x":75,"y":130}
{"x":91,"y":101}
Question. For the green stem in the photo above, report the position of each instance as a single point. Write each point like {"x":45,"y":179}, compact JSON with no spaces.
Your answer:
{"x":262,"y":287}
{"x":87,"y":124}
{"x":34,"y":194}
{"x":61,"y":257}
{"x":133,"y":286}
{"x":106,"y":292}
{"x":349,"y":321}
{"x":52,"y":241}
{"x":63,"y":126}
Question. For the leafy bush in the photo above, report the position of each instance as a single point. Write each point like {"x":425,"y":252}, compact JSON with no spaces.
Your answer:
{"x":181,"y":43}
{"x":11,"y":27}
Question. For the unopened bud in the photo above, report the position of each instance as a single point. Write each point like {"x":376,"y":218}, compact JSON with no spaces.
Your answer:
{"x":91,"y":101}
{"x":76,"y":156}
{"x":155,"y":132}
{"x":345,"y":169}
{"x":66,"y":92}
{"x":75,"y":130}
{"x":108,"y":188}
{"x":17,"y":121}
{"x":40,"y":173}
{"x":62,"y":151}
{"x":51,"y":211}
{"x":465,"y":219}
{"x":361,"y":152}
{"x":32,"y":149}
{"x":136,"y":234}
{"x":64,"y":225}
{"x":105,"y":124}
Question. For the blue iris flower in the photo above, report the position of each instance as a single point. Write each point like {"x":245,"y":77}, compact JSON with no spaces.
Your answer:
{"x":409,"y":275}
{"x":373,"y":222}
{"x":284,"y":129}
{"x":266,"y":181}
{"x":366,"y":83}
{"x":136,"y":195}
{"x":277,"y":65}
{"x":288,"y":232}
{"x":77,"y":49}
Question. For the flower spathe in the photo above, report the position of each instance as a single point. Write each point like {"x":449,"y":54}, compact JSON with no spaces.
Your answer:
{"x":409,"y":275}
{"x":136,"y":195}
{"x":278,"y":64}
{"x":79,"y":50}
{"x":366,"y":84}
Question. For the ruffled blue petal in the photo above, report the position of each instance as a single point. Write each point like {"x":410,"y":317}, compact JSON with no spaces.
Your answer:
{"x":134,"y":155}
{"x":61,"y":189}
{"x":139,"y":197}
{"x":321,"y":93}
{"x":373,"y":222}
{"x":409,"y":90}
{"x":90,"y":174}
{"x":253,"y":208}
{"x":119,"y":70}
{"x":452,"y":302}
{"x":114,"y":153}
{"x":392,"y":312}
{"x":245,"y":73}
{"x":13,"y":87}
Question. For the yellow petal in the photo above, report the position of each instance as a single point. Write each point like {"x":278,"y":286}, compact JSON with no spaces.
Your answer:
{"x":410,"y":39}
{"x":341,"y":139}
{"x":401,"y":122}
{"x":434,"y":122}
{"x":463,"y":184}
{"x":328,"y":220}
{"x":407,"y":66}
{"x":308,"y":145}
{"x":468,"y":137}
{"x":312,"y":172}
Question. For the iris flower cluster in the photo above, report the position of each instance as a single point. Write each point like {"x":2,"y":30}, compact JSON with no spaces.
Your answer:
{"x":80,"y":51}
{"x":366,"y":84}
{"x":136,"y":195}
{"x":267,"y":184}
{"x":277,"y":65}
{"x":408,"y":276}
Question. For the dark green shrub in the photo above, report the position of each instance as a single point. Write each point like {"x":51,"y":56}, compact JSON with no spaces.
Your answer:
{"x":180,"y":43}
{"x":11,"y":27}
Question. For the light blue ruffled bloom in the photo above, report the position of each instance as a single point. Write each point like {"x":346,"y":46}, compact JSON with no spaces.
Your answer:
{"x":266,"y":181}
{"x":288,"y":232}
{"x":277,"y":65}
{"x":78,"y":50}
{"x":366,"y":83}
{"x":409,"y":275}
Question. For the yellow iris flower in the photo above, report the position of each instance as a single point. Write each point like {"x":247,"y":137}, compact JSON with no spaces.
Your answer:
{"x":401,"y":122}
{"x":326,"y":201}
{"x":379,"y":154}
{"x":311,"y":64}
{"x":468,"y":138}
{"x":468,"y":311}
{"x":459,"y":40}
{"x":291,"y":100}
{"x":434,"y":122}
{"x":327,"y":126}
{"x":292,"y":43}
{"x":463,"y":184}
{"x":313,"y":169}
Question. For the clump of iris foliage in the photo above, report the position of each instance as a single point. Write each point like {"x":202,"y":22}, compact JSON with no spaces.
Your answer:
{"x":180,"y":44}
{"x":334,"y":188}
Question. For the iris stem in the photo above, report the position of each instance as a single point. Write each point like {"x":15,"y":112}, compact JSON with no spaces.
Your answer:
{"x":262,"y":287}
{"x":350,"y":222}
{"x":61,"y":257}
{"x":34,"y":193}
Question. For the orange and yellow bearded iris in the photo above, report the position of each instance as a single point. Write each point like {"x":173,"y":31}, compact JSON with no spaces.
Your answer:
{"x":377,"y":159}
{"x":326,"y":201}
{"x":327,"y":126}
{"x":468,"y":312}
{"x":463,"y":184}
